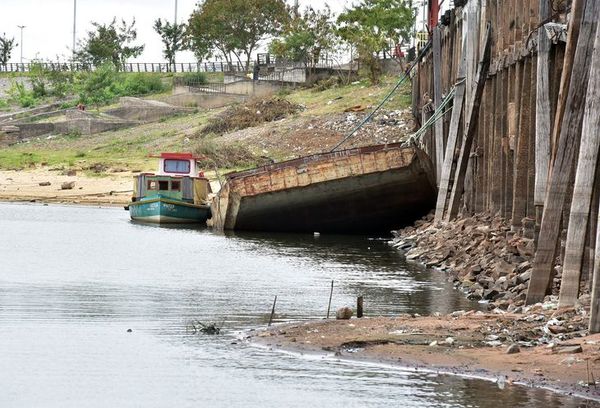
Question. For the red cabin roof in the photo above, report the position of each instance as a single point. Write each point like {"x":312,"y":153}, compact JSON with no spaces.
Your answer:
{"x":177,"y":156}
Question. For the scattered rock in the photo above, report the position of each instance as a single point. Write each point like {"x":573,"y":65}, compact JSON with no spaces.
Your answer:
{"x":569,"y":349}
{"x":513,"y":349}
{"x":344,"y":313}
{"x":67,"y":185}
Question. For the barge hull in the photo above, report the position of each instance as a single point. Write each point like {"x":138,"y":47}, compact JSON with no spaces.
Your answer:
{"x":362,"y":190}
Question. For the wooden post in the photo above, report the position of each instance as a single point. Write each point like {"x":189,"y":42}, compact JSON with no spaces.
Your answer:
{"x":329,"y":304}
{"x":591,"y":124}
{"x":457,"y":108}
{"x":584,"y":186}
{"x":272,"y":310}
{"x":471,"y":115}
{"x":437,"y":98}
{"x":519,"y":207}
{"x":359,"y":307}
{"x":568,"y":146}
{"x":542,"y":114}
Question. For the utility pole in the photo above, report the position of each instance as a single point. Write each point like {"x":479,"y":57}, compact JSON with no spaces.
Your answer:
{"x":74,"y":28}
{"x":175,"y":34}
{"x":21,"y":27}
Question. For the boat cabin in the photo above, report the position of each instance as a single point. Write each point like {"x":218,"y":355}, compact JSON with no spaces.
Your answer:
{"x":178,"y":164}
{"x":178,"y":177}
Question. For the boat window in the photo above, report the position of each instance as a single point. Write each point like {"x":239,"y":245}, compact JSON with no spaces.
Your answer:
{"x":163,"y":185}
{"x":151,"y":184}
{"x":175,"y":185}
{"x":177,"y":166}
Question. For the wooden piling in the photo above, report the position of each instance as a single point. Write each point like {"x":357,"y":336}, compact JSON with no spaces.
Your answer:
{"x":566,"y":151}
{"x":471,"y":115}
{"x":437,"y":98}
{"x":272,"y":310}
{"x":329,"y":304}
{"x":359,"y":307}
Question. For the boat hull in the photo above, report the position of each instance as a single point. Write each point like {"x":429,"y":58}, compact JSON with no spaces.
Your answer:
{"x":369,"y":190}
{"x":167,"y":211}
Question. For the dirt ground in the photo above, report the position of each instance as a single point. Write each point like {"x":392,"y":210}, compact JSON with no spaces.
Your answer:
{"x":114,"y":189}
{"x":471,"y":343}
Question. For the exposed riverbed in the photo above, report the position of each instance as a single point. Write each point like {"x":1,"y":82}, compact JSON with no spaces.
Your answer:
{"x":75,"y":279}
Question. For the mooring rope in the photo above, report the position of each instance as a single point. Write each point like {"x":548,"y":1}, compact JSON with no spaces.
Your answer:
{"x":385,"y":99}
{"x":437,"y":114}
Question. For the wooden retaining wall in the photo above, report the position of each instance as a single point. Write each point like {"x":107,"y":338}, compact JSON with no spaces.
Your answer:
{"x":522,"y":137}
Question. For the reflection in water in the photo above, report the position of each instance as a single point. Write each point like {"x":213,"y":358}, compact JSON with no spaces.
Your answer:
{"x":75,"y":279}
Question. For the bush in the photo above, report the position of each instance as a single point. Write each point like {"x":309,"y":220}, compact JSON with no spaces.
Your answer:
{"x":104,"y":85}
{"x":328,"y":83}
{"x":139,"y":84}
{"x":47,"y":82}
{"x":224,"y":155}
{"x":194,"y":78}
{"x":20,"y":94}
{"x":252,"y":113}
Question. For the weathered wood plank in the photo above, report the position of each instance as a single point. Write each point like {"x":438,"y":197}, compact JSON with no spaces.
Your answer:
{"x":568,"y":146}
{"x":542,"y":115}
{"x":471,"y":116}
{"x":583,"y":188}
{"x":457,"y":108}
{"x":519,"y":207}
{"x":437,"y":99}
{"x":591,"y":126}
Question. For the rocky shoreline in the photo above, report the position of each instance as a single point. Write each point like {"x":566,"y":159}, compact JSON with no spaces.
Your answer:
{"x":538,"y":345}
{"x":482,"y":257}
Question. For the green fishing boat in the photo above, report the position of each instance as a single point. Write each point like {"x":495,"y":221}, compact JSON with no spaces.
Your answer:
{"x":177,"y":193}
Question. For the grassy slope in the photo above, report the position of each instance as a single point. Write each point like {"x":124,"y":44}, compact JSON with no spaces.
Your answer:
{"x":129,"y":148}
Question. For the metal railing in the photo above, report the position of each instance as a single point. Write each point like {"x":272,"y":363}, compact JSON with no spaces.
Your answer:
{"x":209,"y":66}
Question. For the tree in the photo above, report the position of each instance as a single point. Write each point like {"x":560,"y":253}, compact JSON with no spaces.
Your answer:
{"x":109,"y":43}
{"x":234,"y":26}
{"x":373,"y":25}
{"x":307,"y":37}
{"x":6,"y":47}
{"x":173,"y":38}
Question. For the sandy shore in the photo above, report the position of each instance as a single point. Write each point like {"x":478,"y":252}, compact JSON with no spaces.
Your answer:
{"x":470,"y":343}
{"x":112,"y":188}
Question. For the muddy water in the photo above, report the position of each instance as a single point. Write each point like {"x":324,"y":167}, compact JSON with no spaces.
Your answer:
{"x":73,"y":280}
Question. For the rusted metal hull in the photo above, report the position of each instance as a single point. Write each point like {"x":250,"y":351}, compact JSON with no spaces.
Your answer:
{"x":372,"y":189}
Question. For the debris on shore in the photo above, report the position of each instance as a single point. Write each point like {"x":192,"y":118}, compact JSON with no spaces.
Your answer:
{"x":482,"y":257}
{"x":540,"y":347}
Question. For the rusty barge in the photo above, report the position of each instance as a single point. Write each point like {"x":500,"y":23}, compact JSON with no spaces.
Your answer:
{"x":359,"y":190}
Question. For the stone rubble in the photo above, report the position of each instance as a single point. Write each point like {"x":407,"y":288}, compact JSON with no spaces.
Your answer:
{"x":492,"y":265}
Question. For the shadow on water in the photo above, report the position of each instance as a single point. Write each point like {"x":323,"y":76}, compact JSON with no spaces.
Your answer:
{"x":370,"y":268}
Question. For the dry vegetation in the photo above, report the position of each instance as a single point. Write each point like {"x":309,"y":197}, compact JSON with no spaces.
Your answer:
{"x":249,"y":114}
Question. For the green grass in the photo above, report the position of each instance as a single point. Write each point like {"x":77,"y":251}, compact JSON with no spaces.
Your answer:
{"x":345,"y":96}
{"x":129,"y":148}
{"x":126,"y":148}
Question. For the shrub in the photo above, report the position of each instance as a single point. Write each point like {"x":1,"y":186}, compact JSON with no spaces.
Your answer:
{"x":224,"y":155}
{"x":139,"y":84}
{"x":103,"y":85}
{"x":20,"y":94}
{"x":194,"y":78}
{"x":328,"y":83}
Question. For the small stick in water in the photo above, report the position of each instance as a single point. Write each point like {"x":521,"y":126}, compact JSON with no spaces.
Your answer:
{"x":273,"y":310}
{"x":330,"y":295}
{"x":359,"y":306}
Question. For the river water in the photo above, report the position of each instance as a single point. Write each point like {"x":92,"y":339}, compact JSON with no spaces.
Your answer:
{"x":75,"y":279}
